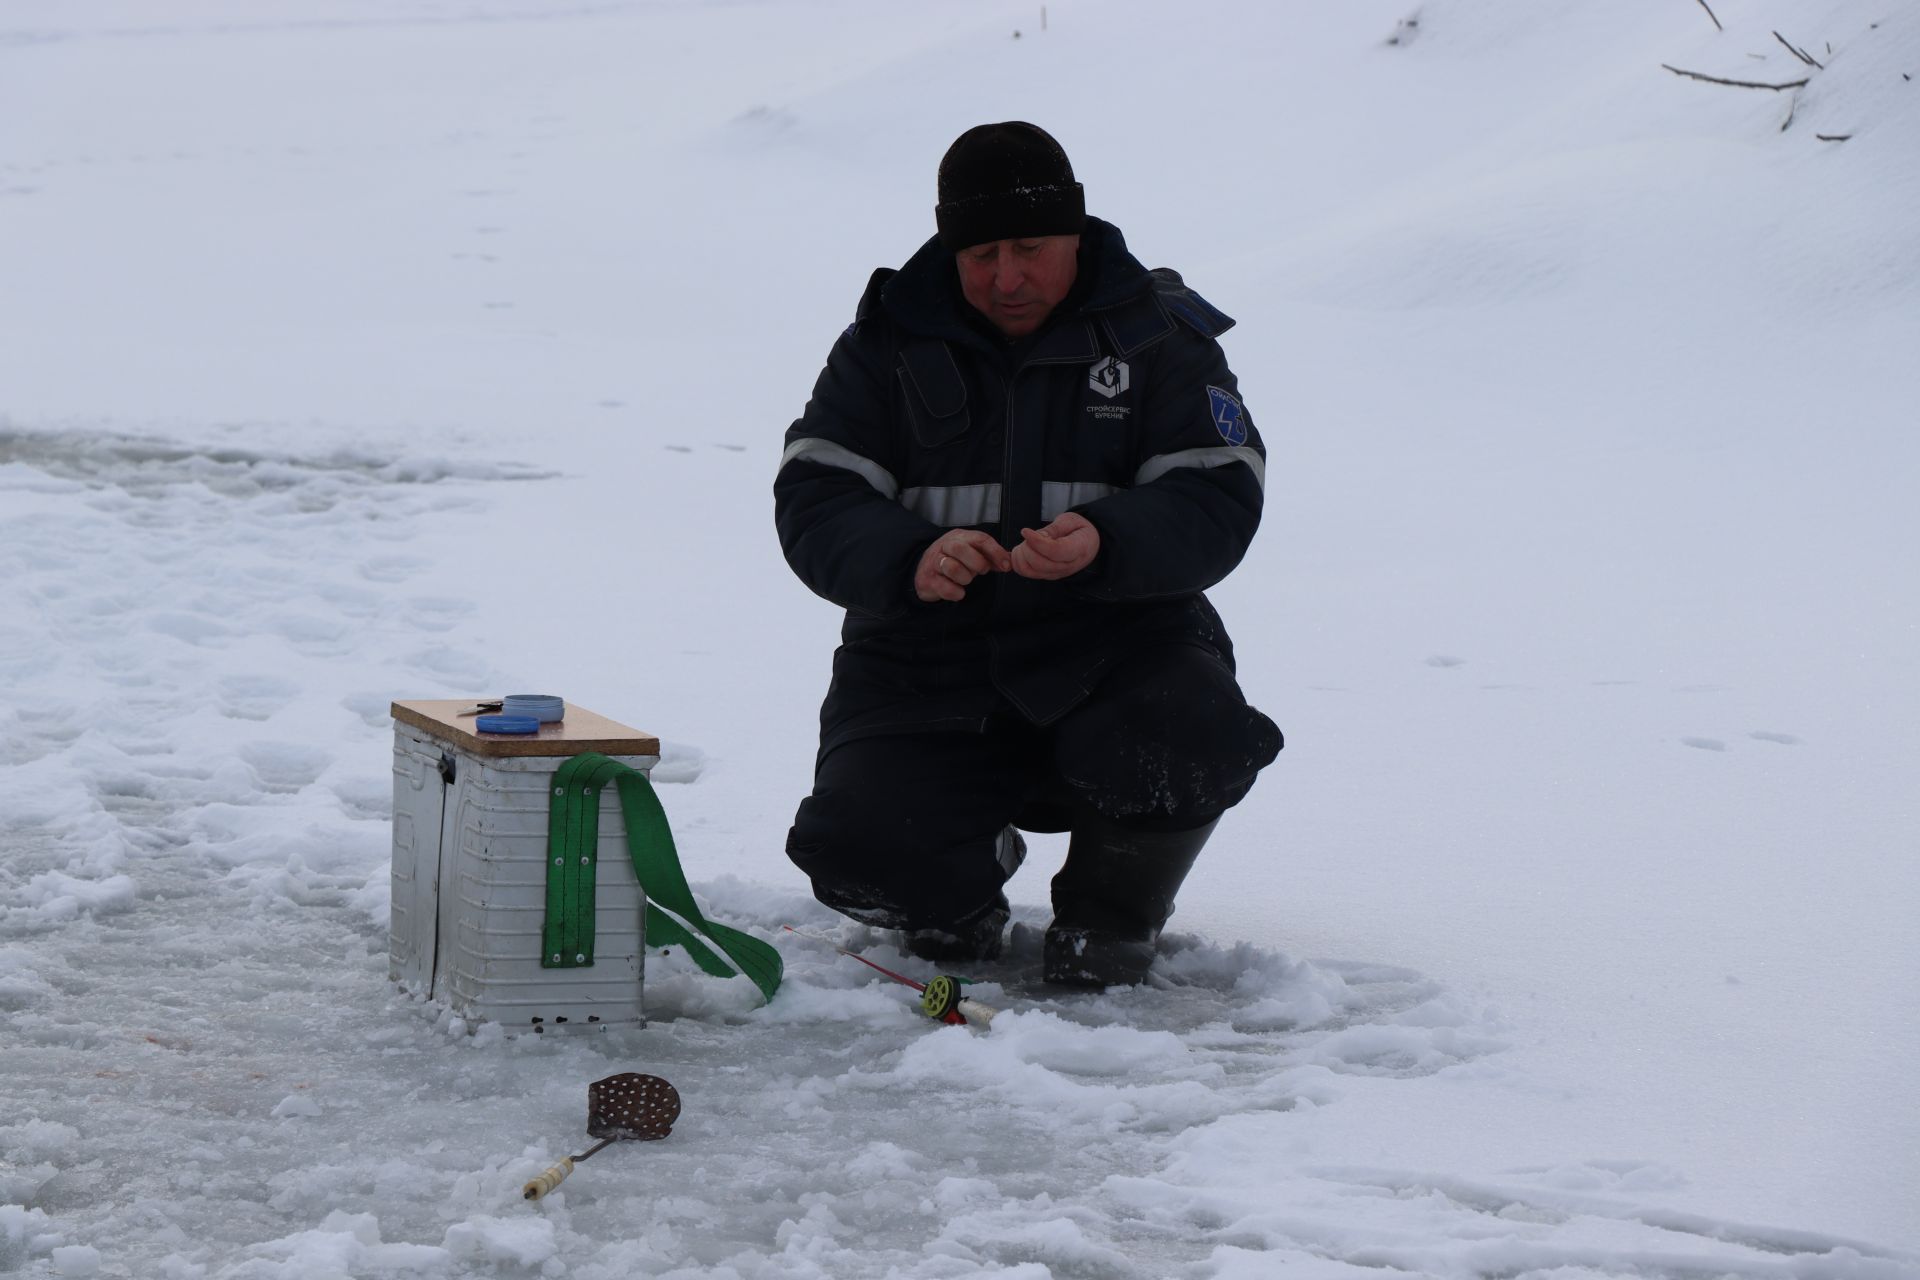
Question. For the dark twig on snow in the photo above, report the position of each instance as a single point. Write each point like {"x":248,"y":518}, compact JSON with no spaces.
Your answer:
{"x":1798,"y":53}
{"x":1738,"y":84}
{"x":1710,"y":14}
{"x":1833,"y":137}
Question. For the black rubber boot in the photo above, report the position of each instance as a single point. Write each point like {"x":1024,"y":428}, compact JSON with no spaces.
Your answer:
{"x":967,"y":940}
{"x":1112,"y":898}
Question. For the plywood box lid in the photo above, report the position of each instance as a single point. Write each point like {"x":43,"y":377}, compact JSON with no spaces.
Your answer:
{"x":582,"y":730}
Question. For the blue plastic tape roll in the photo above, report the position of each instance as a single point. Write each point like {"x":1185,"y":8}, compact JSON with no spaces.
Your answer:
{"x":507,"y":724}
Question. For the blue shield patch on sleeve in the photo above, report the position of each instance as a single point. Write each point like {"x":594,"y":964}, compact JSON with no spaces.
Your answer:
{"x":1229,"y":418}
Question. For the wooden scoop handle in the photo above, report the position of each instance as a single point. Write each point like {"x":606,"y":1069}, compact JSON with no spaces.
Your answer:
{"x":547,"y":1181}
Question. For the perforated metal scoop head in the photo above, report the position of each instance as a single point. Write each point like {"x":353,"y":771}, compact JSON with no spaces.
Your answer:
{"x":631,"y":1105}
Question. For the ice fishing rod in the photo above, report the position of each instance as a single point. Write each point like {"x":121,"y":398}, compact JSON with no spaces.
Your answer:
{"x":940,"y":996}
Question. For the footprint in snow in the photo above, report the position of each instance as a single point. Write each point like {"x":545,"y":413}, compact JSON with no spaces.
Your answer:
{"x":190,"y":628}
{"x":311,"y":633}
{"x":1443,"y":660}
{"x":371,"y":705}
{"x":369,"y":797}
{"x":392,"y":568}
{"x":284,"y":766}
{"x":437,"y":613}
{"x":1705,"y":744}
{"x":253,"y":697}
{"x":1784,"y":739}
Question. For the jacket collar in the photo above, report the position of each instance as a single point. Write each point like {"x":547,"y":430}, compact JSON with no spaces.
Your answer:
{"x":923,"y":297}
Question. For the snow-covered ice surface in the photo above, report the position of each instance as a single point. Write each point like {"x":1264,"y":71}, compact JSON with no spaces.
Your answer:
{"x":363,"y":349}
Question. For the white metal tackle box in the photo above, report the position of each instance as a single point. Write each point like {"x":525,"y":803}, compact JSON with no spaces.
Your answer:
{"x":470,"y":875}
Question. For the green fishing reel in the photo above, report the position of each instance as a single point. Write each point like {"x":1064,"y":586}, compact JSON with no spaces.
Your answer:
{"x":940,"y":1000}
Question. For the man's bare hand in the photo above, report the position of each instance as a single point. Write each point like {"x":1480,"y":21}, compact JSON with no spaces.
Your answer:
{"x":955,"y":559}
{"x":1060,"y":550}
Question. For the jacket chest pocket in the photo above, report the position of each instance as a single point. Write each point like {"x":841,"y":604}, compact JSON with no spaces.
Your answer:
{"x":935,"y":393}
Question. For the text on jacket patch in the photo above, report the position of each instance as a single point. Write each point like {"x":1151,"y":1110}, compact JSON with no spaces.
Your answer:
{"x":1109,"y":377}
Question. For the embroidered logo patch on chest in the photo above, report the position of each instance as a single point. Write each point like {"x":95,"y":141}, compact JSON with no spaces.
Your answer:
{"x":1110,"y":377}
{"x":1229,"y":418}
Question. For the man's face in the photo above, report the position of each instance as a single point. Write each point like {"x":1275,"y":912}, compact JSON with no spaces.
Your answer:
{"x":1017,"y":283}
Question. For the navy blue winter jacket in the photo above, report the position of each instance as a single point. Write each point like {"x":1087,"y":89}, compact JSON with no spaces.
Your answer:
{"x":1121,"y":408}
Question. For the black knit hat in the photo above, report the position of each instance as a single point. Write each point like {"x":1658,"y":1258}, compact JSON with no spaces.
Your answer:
{"x":1004,"y":181}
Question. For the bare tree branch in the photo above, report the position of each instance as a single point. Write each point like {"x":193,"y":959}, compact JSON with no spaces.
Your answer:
{"x":1710,"y":14}
{"x":1798,"y":53}
{"x":1738,"y":84}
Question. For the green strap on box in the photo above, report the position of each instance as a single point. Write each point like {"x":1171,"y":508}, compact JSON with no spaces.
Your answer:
{"x":672,"y":917}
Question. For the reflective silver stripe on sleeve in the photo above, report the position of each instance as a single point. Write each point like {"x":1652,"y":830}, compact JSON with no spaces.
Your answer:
{"x":954,"y":505}
{"x":1063,"y":495}
{"x":1160,"y":464}
{"x":829,"y":454}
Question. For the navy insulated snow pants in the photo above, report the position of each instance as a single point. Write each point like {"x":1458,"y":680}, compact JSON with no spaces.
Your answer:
{"x":916,"y":830}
